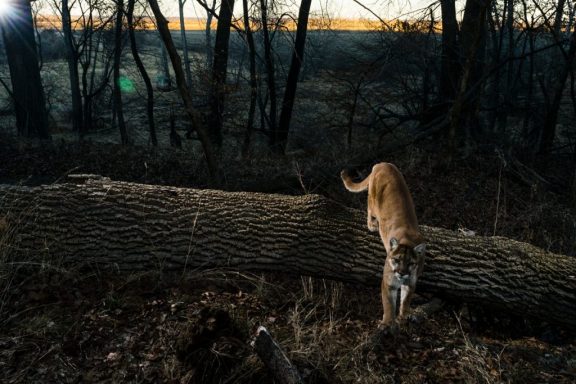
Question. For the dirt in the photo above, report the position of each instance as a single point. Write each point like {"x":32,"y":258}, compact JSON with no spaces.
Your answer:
{"x":67,"y":326}
{"x":81,"y":327}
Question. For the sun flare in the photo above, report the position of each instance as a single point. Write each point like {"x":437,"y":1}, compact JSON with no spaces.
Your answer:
{"x":4,"y":7}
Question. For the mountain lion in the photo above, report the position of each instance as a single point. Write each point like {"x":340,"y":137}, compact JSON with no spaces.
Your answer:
{"x":391,"y":212}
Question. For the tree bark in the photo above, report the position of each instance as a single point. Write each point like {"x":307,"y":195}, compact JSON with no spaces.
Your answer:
{"x":143,"y":227}
{"x":558,"y":18}
{"x":208,"y":34}
{"x":464,"y":113}
{"x":549,"y":127}
{"x":275,"y":359}
{"x":184,"y":44}
{"x":119,"y":111}
{"x":450,"y":67}
{"x":72,"y":58}
{"x":293,"y":74}
{"x":253,"y":81}
{"x":143,"y":73}
{"x":270,"y":74}
{"x":508,"y":31}
{"x":17,"y":29}
{"x":219,"y":71}
{"x":166,"y":82}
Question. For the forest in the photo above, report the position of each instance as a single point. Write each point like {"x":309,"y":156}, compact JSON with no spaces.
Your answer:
{"x":172,"y":208}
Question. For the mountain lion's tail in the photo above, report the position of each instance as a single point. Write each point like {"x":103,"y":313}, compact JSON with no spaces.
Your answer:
{"x":352,"y":186}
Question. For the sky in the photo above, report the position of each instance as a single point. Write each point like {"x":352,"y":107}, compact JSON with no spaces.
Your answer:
{"x":386,"y":9}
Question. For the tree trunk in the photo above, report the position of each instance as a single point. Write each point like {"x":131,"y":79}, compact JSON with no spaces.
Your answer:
{"x":87,"y":63}
{"x":450,"y":67}
{"x":208,"y":34}
{"x":203,"y":135}
{"x":72,"y":58}
{"x":219,"y":70}
{"x":509,"y":33}
{"x":270,"y":73}
{"x":558,"y":18}
{"x":549,"y":127}
{"x":143,"y":227}
{"x":166,"y":81}
{"x":356,"y":90}
{"x":119,"y":111}
{"x":143,"y":73}
{"x":184,"y":44}
{"x":293,"y":74}
{"x":21,"y":52}
{"x":253,"y":81}
{"x":464,"y":114}
{"x":494,"y":51}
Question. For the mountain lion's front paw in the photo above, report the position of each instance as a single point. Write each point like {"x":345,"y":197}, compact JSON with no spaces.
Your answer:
{"x":387,"y":328}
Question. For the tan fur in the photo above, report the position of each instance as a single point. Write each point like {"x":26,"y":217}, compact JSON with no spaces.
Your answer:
{"x":391,"y":212}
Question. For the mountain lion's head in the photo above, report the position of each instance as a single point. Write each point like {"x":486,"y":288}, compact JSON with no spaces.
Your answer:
{"x":404,"y":259}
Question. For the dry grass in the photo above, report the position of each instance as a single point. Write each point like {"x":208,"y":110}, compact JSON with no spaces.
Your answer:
{"x":197,"y":329}
{"x":479,"y":364}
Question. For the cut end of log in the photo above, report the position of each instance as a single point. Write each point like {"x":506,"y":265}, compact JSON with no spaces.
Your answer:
{"x":261,"y":329}
{"x":275,"y":358}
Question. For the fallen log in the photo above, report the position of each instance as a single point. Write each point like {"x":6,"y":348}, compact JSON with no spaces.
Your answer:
{"x":142,"y":227}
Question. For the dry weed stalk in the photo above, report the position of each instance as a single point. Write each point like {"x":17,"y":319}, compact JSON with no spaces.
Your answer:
{"x":476,"y":360}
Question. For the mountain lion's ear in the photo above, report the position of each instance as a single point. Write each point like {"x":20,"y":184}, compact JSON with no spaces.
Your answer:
{"x":393,"y":243}
{"x":420,"y":249}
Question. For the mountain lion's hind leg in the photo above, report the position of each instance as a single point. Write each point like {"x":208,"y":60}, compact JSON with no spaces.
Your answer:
{"x":372,"y":222}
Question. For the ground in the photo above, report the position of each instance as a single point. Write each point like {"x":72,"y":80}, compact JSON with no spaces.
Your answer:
{"x":60,"y":324}
{"x":82,"y":327}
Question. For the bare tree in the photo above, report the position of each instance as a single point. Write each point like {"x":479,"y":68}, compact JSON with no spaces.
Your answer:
{"x":551,"y":118}
{"x":464,"y":113}
{"x":203,"y":134}
{"x":210,"y":10}
{"x":219,"y":71}
{"x":270,"y":75}
{"x":118,"y":108}
{"x":508,"y":32}
{"x":165,"y":82}
{"x":293,"y":74}
{"x":21,"y":52}
{"x":184,"y":43}
{"x":143,"y":73}
{"x":93,"y":55}
{"x":253,"y":80}
{"x":89,"y":55}
{"x":72,"y":58}
{"x":450,"y":67}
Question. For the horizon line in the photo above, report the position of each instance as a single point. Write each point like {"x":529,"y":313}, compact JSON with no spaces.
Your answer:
{"x":199,"y":24}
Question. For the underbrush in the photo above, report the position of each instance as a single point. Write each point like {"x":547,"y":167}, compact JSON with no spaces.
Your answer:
{"x":95,"y":326}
